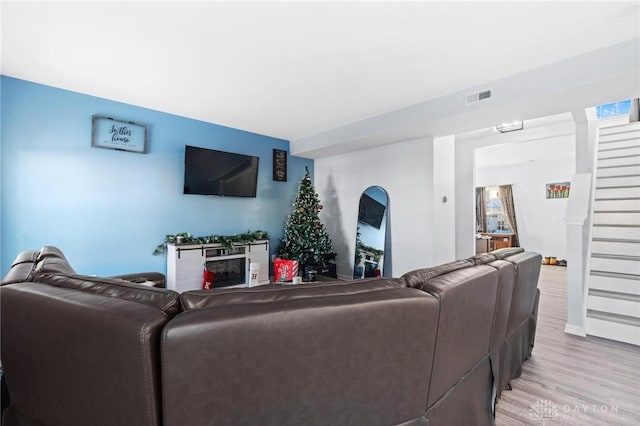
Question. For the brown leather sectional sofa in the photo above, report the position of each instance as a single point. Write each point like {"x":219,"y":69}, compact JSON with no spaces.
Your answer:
{"x":435,"y":346}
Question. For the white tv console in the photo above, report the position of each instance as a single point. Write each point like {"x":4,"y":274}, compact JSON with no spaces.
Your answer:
{"x":186,"y":263}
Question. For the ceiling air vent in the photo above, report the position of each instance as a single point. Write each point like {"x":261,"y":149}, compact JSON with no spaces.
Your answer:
{"x":472,"y":98}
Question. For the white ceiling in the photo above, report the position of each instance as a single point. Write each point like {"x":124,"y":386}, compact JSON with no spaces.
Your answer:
{"x":293,"y":69}
{"x":542,"y":140}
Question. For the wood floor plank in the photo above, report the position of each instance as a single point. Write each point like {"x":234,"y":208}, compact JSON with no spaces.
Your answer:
{"x":571,"y":380}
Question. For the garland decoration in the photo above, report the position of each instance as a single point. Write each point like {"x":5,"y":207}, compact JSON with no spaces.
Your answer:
{"x":227,"y":241}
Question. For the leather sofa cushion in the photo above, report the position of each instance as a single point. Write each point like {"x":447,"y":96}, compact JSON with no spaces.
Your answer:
{"x":50,"y":251}
{"x":527,"y":266}
{"x":27,"y":256}
{"x":28,"y":263}
{"x":21,"y":267}
{"x":198,"y":299}
{"x":50,"y":261}
{"x":419,"y":277}
{"x":506,"y":280}
{"x":467,"y":298}
{"x":165,"y":300}
{"x":358,"y":359}
{"x":506,"y":252}
{"x":483,"y":259}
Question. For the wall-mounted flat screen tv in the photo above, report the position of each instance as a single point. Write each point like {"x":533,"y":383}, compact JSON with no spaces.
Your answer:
{"x":371,"y":211}
{"x":211,"y":172}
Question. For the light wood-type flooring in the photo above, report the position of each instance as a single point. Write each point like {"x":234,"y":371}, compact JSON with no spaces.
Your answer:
{"x":571,"y":380}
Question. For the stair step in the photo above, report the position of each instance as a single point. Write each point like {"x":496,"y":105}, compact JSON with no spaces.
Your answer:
{"x":613,"y":281}
{"x":607,"y":316}
{"x":622,"y":180}
{"x":612,"y":231}
{"x":624,"y":264}
{"x":616,"y":217}
{"x":616,"y":295}
{"x":615,"y":246}
{"x":616,"y":240}
{"x":614,"y":327}
{"x":625,"y":204}
{"x":605,"y":171}
{"x":618,"y":142}
{"x":614,"y":303}
{"x":632,"y":191}
{"x":623,"y":160}
{"x":616,"y":256}
{"x":619,"y":128}
{"x":630,"y":175}
{"x":618,"y":152}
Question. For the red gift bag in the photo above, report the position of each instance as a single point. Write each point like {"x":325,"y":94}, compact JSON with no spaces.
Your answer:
{"x":284,"y":269}
{"x":207,"y":279}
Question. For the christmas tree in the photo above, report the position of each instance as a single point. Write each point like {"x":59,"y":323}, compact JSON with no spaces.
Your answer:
{"x":305,"y":237}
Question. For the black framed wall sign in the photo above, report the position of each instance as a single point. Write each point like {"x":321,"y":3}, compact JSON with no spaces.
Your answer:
{"x":280,"y":165}
{"x":107,"y":132}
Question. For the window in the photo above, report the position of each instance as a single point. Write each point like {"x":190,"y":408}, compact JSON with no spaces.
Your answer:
{"x":615,"y":109}
{"x":497,"y":222}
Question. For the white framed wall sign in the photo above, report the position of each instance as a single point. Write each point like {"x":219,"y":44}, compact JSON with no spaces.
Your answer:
{"x":107,"y":132}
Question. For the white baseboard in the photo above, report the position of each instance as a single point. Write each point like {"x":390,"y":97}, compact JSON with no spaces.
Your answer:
{"x":575,"y":330}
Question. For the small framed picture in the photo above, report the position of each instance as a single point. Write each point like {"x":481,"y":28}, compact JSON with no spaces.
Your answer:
{"x":558,"y":190}
{"x":107,"y":132}
{"x":280,"y":165}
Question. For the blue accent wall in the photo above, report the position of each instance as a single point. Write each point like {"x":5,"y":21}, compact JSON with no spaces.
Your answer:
{"x":107,"y":210}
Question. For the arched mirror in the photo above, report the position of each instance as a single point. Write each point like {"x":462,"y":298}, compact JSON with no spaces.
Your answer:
{"x":372,"y":254}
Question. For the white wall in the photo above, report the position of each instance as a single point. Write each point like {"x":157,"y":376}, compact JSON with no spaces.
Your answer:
{"x":404,"y":171}
{"x":541,"y":225}
{"x":416,"y":174}
{"x":554,"y":137}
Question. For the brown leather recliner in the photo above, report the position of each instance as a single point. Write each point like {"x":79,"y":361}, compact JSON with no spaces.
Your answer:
{"x":50,"y":259}
{"x":516,"y":310}
{"x":523,"y":315}
{"x":80,"y":350}
{"x":461,"y":385}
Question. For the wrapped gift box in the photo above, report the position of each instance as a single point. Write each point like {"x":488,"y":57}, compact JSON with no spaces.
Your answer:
{"x":284,"y":269}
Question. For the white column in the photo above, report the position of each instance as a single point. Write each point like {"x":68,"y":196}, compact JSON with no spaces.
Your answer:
{"x":576,"y":289}
{"x":578,"y":219}
{"x":465,"y":200}
{"x":444,"y":200}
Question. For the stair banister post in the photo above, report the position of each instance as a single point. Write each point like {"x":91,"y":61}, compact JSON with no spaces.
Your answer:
{"x":576,"y":218}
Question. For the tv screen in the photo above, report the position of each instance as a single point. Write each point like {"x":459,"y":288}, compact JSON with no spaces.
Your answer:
{"x":370,"y":212}
{"x":211,"y":172}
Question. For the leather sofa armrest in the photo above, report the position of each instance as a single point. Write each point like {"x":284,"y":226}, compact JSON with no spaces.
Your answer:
{"x":145,"y":278}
